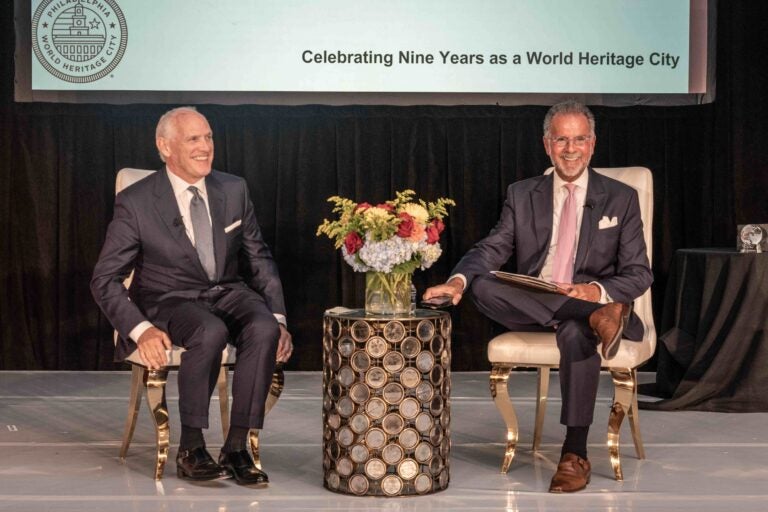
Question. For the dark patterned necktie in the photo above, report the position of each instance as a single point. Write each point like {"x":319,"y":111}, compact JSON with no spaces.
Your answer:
{"x":201,"y":227}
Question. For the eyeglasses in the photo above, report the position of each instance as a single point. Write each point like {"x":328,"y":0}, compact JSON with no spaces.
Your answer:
{"x":579,"y":142}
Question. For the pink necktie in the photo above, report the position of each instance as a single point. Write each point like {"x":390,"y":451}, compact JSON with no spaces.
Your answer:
{"x":562,"y":268}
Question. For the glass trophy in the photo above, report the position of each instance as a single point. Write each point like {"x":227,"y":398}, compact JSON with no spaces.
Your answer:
{"x":751,"y":235}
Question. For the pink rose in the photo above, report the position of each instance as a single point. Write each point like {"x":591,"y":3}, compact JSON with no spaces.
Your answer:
{"x":353,"y":242}
{"x":362,"y":207}
{"x":405,"y":228}
{"x":385,"y":206}
{"x":417,"y":233}
{"x":433,"y":233}
{"x":439,"y":225}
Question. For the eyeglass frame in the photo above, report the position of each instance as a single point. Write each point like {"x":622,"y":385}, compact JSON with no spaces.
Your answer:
{"x":579,"y":141}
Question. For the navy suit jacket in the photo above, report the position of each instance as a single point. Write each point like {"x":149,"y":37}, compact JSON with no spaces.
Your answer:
{"x":146,"y":235}
{"x":616,"y":256}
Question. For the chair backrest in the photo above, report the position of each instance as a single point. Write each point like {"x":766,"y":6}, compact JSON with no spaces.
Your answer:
{"x":641,"y":179}
{"x":128,"y":176}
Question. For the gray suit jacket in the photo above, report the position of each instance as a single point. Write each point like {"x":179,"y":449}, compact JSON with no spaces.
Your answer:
{"x":615,"y":257}
{"x":146,"y":235}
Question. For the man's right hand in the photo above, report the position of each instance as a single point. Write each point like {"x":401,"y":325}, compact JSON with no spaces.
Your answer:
{"x":453,"y":288}
{"x":152,"y":346}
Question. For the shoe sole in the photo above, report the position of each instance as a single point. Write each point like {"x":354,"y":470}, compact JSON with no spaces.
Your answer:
{"x":612,"y":348}
{"x":181,"y":474}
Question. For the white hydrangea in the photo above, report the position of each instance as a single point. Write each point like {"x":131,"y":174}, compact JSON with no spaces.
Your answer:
{"x":353,"y":262}
{"x":429,"y":254}
{"x":383,"y":256}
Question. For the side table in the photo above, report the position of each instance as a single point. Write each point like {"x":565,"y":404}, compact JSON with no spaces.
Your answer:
{"x":386,"y":411}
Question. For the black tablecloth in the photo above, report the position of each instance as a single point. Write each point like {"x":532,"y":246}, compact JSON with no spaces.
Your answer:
{"x":713,"y":353}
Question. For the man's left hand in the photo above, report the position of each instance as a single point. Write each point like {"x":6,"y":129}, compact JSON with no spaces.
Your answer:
{"x":284,"y":345}
{"x":585,"y":291}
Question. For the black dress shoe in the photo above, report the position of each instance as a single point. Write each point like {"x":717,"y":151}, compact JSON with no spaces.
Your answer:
{"x":241,"y":466}
{"x":197,"y":464}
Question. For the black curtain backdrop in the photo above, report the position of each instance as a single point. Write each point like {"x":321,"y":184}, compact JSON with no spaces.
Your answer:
{"x":58,"y":164}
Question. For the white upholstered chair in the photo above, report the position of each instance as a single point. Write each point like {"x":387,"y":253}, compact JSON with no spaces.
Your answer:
{"x":539,"y":350}
{"x":153,"y":382}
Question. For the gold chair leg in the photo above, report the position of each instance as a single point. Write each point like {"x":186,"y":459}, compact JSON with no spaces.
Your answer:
{"x":221,"y":384}
{"x":541,"y":406}
{"x":634,"y":420}
{"x":154,"y":382}
{"x":624,"y":386}
{"x":500,"y":394}
{"x":253,"y":440}
{"x":275,"y":390}
{"x":137,"y":378}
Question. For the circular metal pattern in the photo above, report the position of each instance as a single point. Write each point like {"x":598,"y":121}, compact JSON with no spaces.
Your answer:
{"x":375,"y":438}
{"x":346,"y":376}
{"x":391,"y":485}
{"x":393,"y":393}
{"x":425,"y":361}
{"x":332,"y":479}
{"x":423,"y":452}
{"x":358,"y":484}
{"x":392,"y":454}
{"x":360,"y":361}
{"x":410,"y":377}
{"x":425,"y":330}
{"x":345,"y":436}
{"x":424,"y":422}
{"x":359,"y":393}
{"x":422,"y":483}
{"x":376,"y":377}
{"x":346,"y":346}
{"x":376,"y":408}
{"x":392,"y":423}
{"x":408,"y":469}
{"x":375,"y":469}
{"x":376,"y":347}
{"x":425,"y":391}
{"x":345,"y":407}
{"x":344,"y":466}
{"x":359,"y":453}
{"x":360,"y":330}
{"x":393,"y":362}
{"x":335,"y":329}
{"x":359,"y":423}
{"x":436,"y":345}
{"x":394,"y":331}
{"x":409,"y":408}
{"x":408,"y":438}
{"x":385,"y":404}
{"x":410,"y":347}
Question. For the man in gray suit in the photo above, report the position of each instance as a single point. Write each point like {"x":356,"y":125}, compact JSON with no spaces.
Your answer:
{"x":203,"y":276}
{"x":582,"y":231}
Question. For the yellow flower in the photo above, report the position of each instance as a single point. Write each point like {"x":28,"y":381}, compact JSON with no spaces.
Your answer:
{"x":373,"y":214}
{"x":416,"y":211}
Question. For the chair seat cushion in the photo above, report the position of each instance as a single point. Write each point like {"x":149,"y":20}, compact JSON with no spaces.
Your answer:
{"x":228,"y":356}
{"x":540,"y":349}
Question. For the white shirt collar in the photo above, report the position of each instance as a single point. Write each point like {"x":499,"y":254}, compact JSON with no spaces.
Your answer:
{"x":581,"y":182}
{"x":180,"y":186}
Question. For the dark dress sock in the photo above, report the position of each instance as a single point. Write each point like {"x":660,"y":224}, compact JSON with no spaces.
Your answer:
{"x":191,"y":438}
{"x":236,"y":439}
{"x":576,"y":309}
{"x":576,"y":441}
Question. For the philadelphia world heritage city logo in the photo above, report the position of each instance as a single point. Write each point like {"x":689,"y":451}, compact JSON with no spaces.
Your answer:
{"x":79,"y":41}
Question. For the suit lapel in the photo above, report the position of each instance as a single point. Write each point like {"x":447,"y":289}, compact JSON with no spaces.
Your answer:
{"x":596,"y":196}
{"x":541,"y":205}
{"x":218,"y":203}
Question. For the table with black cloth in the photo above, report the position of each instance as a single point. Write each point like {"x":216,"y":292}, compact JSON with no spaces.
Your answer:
{"x":713,"y":351}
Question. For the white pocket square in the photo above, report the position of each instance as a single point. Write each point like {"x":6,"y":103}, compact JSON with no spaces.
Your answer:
{"x":235,"y":224}
{"x":606,"y":223}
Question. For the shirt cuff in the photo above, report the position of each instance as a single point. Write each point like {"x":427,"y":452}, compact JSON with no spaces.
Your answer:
{"x":137,"y":331}
{"x":281,"y":319}
{"x":463,"y":280}
{"x":604,"y":297}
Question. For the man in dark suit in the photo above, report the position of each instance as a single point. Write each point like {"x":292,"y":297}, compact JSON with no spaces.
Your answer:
{"x":583,"y":231}
{"x":203,"y":276}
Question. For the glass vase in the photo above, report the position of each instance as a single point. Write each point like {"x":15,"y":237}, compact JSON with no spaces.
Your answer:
{"x":387,"y":293}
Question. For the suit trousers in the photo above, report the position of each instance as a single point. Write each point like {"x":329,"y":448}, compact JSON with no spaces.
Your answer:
{"x":523,"y":309}
{"x":204,"y":327}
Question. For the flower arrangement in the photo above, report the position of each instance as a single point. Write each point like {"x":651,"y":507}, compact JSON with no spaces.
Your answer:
{"x":391,"y":239}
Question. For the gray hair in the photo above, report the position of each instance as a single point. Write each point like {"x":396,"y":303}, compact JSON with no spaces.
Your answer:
{"x":166,"y":124}
{"x":569,"y":107}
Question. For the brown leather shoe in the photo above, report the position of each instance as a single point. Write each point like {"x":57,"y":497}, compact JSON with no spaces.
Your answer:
{"x":573,"y":474}
{"x":609,"y":322}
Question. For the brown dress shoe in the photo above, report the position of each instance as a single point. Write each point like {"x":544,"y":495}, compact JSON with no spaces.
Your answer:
{"x":573,"y":474}
{"x":609,"y":322}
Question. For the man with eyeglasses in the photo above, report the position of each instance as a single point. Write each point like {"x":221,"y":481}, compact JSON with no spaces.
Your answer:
{"x":582,"y":231}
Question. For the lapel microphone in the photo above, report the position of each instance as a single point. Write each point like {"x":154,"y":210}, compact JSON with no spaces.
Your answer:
{"x":177,"y":222}
{"x":589,"y":204}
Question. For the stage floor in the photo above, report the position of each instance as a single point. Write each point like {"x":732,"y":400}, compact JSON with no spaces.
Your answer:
{"x":60,"y":435}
